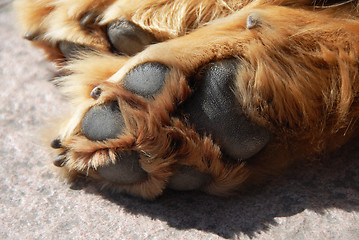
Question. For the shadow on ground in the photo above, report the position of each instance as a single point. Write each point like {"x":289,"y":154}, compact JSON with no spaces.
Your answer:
{"x":334,"y":184}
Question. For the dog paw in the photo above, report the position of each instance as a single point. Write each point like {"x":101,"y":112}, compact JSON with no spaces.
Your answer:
{"x":124,"y":38}
{"x":158,"y":129}
{"x":65,"y":30}
{"x":230,"y":94}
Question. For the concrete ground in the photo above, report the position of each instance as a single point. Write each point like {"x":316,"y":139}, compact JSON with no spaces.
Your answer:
{"x":320,"y":202}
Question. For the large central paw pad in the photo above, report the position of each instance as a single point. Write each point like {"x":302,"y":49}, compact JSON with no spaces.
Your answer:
{"x":215,"y":110}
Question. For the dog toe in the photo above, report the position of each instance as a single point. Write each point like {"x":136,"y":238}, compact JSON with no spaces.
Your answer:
{"x":146,"y":79}
{"x":103,"y":122}
{"x":126,"y":170}
{"x":128,"y":38}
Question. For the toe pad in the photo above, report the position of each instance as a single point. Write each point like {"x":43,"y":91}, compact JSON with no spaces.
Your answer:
{"x":146,"y":79}
{"x":127,"y":170}
{"x":103,"y":122}
{"x":128,"y":38}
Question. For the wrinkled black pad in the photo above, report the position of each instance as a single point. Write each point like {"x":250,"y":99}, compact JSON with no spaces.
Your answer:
{"x":127,"y":169}
{"x":128,"y":38}
{"x":146,"y":79}
{"x":186,"y":178}
{"x":103,"y":122}
{"x":213,"y":110}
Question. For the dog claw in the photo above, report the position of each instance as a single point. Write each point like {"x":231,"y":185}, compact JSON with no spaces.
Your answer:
{"x":89,"y":19}
{"x":96,"y":93}
{"x":56,"y":143}
{"x":31,"y":36}
{"x":60,"y":160}
{"x":252,"y":21}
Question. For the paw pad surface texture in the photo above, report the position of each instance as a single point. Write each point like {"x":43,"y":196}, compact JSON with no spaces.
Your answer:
{"x":146,"y":79}
{"x":127,"y":169}
{"x":103,"y":122}
{"x":213,"y":109}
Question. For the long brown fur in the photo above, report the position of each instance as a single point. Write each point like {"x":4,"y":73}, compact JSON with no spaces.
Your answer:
{"x":298,"y":77}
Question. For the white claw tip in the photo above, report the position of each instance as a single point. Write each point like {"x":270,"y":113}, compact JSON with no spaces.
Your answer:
{"x":252,"y":20}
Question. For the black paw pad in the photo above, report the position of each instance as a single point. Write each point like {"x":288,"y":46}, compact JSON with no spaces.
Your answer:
{"x":103,"y":122}
{"x":127,"y":169}
{"x":146,"y":79}
{"x":128,"y":38}
{"x":213,"y":109}
{"x":71,"y":50}
{"x":187,"y":178}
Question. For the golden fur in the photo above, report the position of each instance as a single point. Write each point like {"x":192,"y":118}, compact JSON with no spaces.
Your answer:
{"x":298,"y":77}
